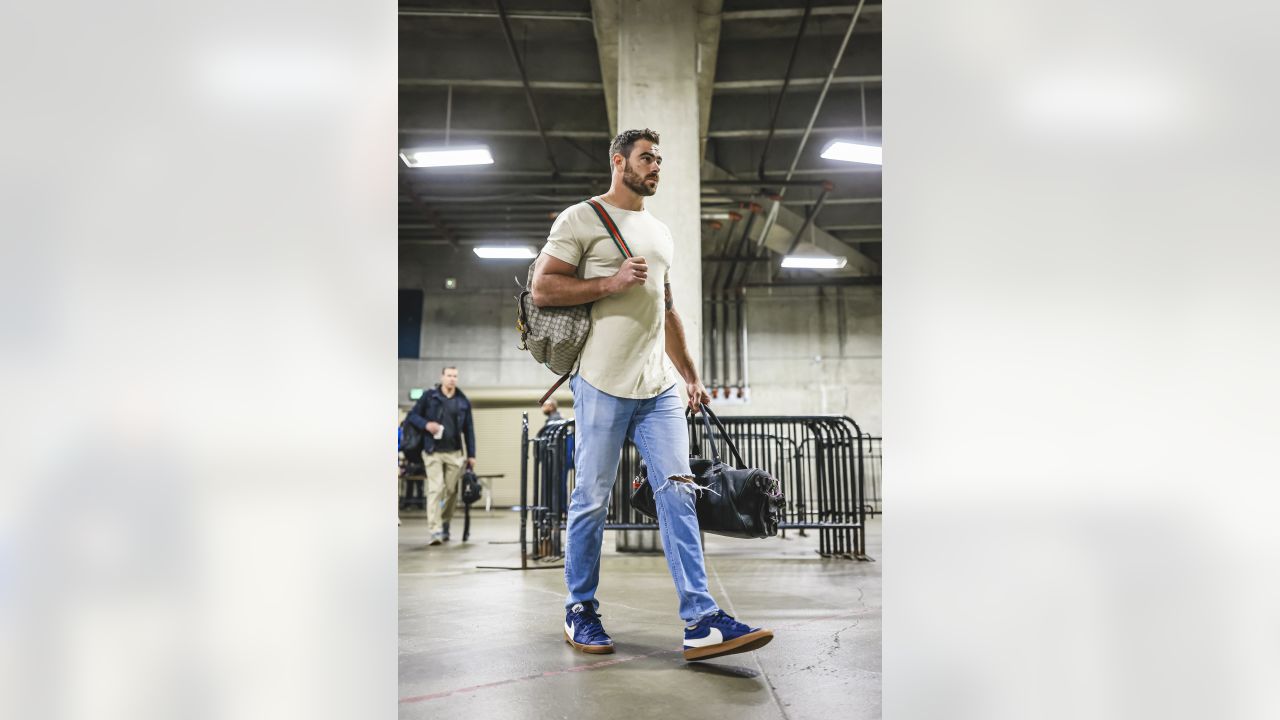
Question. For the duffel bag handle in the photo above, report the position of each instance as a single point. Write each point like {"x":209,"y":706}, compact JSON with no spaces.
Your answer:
{"x":707,"y":417}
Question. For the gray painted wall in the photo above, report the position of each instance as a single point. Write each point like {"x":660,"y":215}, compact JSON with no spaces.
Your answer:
{"x":810,"y":350}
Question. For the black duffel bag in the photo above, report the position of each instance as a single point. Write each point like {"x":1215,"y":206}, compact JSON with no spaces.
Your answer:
{"x":736,"y":502}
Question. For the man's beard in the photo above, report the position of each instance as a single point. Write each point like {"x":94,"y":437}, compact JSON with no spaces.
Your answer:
{"x":632,"y":180}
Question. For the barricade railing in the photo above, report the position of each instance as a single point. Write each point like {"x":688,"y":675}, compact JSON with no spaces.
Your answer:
{"x":874,"y":467}
{"x":819,"y":461}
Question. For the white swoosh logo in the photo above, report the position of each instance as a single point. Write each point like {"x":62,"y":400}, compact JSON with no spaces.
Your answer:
{"x":713,"y":638}
{"x":569,"y":629}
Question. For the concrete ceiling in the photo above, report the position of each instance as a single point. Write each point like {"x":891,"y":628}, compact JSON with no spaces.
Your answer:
{"x":457,"y":71}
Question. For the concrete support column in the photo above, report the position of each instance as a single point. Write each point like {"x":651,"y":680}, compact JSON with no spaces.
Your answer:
{"x":658,"y":89}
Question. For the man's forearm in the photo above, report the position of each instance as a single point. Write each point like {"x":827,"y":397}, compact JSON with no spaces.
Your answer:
{"x":678,"y":350}
{"x":553,"y":290}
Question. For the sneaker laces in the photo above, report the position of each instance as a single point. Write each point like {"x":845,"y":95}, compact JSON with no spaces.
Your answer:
{"x":724,"y":619}
{"x":590,"y":625}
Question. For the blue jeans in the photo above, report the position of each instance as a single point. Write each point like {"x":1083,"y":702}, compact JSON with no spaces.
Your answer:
{"x":657,"y":427}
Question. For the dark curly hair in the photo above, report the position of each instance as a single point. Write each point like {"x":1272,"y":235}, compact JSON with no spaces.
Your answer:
{"x":627,"y":140}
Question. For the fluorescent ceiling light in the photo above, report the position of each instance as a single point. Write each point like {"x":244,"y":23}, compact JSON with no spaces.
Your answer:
{"x":715,"y":216}
{"x":814,"y":263}
{"x":853,"y":152}
{"x":447,"y":156}
{"x":505,"y":252}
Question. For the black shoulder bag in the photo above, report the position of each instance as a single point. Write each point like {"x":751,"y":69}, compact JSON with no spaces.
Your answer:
{"x":737,"y":502}
{"x":471,"y":488}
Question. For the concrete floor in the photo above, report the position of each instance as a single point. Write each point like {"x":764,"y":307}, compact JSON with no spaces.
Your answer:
{"x":489,"y":643}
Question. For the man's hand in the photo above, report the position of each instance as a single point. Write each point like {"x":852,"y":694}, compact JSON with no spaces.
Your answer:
{"x":433,"y":427}
{"x":698,"y":396}
{"x":634,"y":271}
{"x":471,"y":463}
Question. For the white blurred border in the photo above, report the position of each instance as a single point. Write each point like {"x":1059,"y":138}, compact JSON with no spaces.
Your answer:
{"x":1081,"y":350}
{"x":197,"y":308}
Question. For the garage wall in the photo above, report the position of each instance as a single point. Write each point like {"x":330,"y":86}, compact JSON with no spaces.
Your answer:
{"x":498,"y":447}
{"x":811,"y":350}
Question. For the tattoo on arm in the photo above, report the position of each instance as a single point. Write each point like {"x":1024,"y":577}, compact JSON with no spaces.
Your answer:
{"x":671,"y":304}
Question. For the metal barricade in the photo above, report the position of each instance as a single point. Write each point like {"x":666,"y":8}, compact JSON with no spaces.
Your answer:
{"x":874,"y":467}
{"x":818,"y":460}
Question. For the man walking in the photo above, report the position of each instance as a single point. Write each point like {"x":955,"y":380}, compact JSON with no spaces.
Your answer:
{"x":444,"y":413}
{"x":624,"y":386}
{"x":551,"y":411}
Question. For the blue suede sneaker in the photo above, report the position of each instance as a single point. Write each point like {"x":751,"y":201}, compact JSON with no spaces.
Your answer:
{"x":719,"y":634}
{"x":583,"y":630}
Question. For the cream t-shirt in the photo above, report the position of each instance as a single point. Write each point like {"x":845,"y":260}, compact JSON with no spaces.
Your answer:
{"x":625,"y":355}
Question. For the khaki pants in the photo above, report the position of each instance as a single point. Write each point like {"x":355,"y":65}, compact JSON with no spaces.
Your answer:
{"x":444,"y":473}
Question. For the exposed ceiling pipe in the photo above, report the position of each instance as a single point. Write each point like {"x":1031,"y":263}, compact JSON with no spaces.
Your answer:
{"x":743,"y":382}
{"x":742,"y":243}
{"x":809,"y":217}
{"x":844,"y":44}
{"x":727,"y":309}
{"x":434,"y":216}
{"x":786,"y":80}
{"x":528,"y":91}
{"x":712,"y":304}
{"x":708,"y":340}
{"x":734,"y":218}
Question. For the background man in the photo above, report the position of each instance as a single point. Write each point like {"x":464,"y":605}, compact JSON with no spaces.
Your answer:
{"x":444,"y":413}
{"x":551,"y":411}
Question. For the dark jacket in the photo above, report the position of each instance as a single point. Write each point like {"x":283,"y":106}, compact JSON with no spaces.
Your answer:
{"x":430,"y":408}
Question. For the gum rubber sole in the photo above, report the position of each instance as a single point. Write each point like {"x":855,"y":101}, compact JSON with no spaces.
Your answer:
{"x":746,"y":643}
{"x":593,"y":649}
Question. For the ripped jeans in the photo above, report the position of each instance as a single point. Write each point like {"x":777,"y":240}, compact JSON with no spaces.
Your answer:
{"x":657,"y":427}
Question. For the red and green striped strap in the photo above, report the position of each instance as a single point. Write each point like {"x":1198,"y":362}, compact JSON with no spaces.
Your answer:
{"x":610,"y":227}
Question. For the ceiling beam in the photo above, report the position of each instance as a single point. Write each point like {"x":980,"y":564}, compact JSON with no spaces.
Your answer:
{"x":821,"y":278}
{"x":804,"y":84}
{"x":550,"y":15}
{"x":753,"y":133}
{"x":604,"y":23}
{"x":785,"y":13}
{"x":455,"y":174}
{"x":583,"y":134}
{"x":569,"y":16}
{"x":495,"y":84}
{"x":708,"y":49}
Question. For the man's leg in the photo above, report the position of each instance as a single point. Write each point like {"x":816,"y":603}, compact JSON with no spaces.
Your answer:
{"x":661,"y":434}
{"x":453,"y":464}
{"x":662,"y":437}
{"x":435,"y":488}
{"x":600,"y":427}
